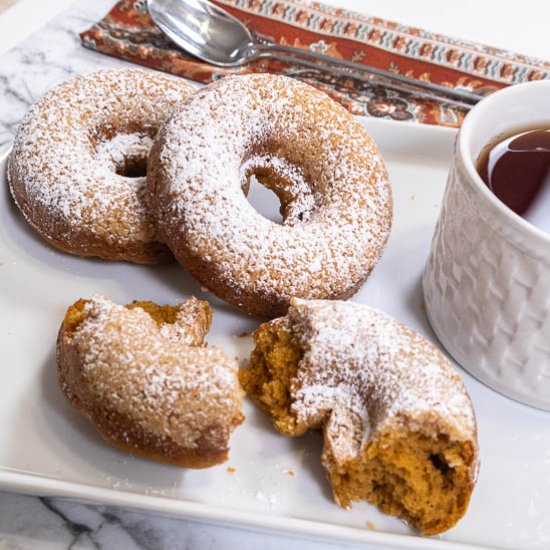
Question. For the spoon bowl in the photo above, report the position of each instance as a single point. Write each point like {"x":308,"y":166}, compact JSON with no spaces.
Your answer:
{"x":203,"y":30}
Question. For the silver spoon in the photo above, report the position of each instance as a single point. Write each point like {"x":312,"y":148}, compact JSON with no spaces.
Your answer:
{"x":209,"y":33}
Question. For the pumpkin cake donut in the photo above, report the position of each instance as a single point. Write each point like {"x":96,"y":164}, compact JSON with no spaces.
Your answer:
{"x":321,"y":163}
{"x":142,"y":375}
{"x":77,"y":168}
{"x":398,"y":424}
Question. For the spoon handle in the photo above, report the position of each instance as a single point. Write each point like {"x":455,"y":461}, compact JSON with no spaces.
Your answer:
{"x":371,"y":75}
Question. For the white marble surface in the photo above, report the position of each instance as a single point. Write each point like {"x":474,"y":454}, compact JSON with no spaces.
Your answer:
{"x":53,"y":54}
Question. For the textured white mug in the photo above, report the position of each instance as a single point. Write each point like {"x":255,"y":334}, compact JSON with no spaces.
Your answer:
{"x":487,"y":280}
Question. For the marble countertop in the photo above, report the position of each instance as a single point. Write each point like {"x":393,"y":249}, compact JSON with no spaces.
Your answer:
{"x":52,"y":54}
{"x":53,"y":523}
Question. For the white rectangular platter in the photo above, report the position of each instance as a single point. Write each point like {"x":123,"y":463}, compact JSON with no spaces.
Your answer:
{"x":277,"y":483}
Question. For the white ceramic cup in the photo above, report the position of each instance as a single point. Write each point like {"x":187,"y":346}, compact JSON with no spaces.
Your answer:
{"x":487,"y":280}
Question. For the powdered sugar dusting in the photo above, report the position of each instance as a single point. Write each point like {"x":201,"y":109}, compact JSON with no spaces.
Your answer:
{"x":63,"y":166}
{"x":370,"y":372}
{"x":130,"y":366}
{"x":326,"y":170}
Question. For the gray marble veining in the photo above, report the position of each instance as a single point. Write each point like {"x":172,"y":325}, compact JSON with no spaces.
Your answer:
{"x":37,"y":522}
{"x":46,"y":58}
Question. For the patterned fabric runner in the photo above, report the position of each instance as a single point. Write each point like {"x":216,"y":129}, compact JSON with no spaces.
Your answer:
{"x":128,"y":32}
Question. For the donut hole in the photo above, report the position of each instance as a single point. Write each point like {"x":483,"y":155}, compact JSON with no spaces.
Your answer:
{"x":264,"y":200}
{"x":161,"y":314}
{"x":194,"y":311}
{"x":277,"y":189}
{"x":132,"y":167}
{"x":125,"y":154}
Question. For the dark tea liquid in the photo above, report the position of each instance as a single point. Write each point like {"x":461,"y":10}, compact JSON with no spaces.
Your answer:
{"x":517,"y":170}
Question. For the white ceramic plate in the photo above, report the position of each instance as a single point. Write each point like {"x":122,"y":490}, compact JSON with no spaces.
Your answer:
{"x":47,"y":448}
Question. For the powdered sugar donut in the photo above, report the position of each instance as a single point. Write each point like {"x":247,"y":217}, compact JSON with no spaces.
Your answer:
{"x":324,"y":167}
{"x":142,"y":374}
{"x":77,"y":169}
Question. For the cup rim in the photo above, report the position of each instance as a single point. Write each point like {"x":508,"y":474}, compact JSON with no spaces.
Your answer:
{"x":464,"y":135}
